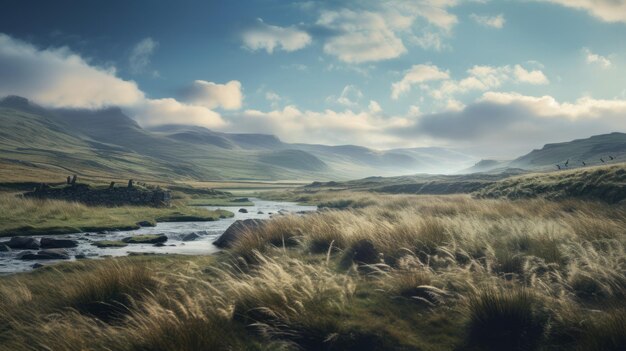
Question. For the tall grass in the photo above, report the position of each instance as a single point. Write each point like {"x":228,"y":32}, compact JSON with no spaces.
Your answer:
{"x":398,"y":273}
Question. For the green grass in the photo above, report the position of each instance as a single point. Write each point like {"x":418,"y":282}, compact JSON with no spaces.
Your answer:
{"x":39,"y":217}
{"x":219,"y":202}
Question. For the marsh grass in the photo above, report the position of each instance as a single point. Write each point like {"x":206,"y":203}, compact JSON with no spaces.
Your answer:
{"x":399,"y":273}
{"x":23,"y":216}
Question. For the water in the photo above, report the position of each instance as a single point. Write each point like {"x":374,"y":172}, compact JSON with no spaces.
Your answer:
{"x":175,"y":231}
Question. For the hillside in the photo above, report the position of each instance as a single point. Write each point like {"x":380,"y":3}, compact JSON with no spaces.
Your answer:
{"x":107,"y":143}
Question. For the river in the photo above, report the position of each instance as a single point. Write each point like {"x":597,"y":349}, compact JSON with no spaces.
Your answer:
{"x":175,"y":231}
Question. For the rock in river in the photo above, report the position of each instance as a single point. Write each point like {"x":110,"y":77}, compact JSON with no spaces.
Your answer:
{"x":191,"y":237}
{"x":47,"y":254}
{"x":235,"y":230}
{"x":24,"y":243}
{"x":243,"y":210}
{"x":146,"y":239}
{"x":49,"y":243}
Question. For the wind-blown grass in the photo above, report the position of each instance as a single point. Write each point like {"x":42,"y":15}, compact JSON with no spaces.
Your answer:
{"x":401,"y":273}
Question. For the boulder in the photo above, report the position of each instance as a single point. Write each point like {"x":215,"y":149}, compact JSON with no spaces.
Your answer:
{"x":235,"y":230}
{"x":27,"y":255}
{"x":260,"y":212}
{"x":191,"y":237}
{"x":37,"y":265}
{"x":243,"y":210}
{"x":145,"y":224}
{"x":49,"y":243}
{"x":158,"y":245}
{"x":47,"y":254}
{"x":53,"y":254}
{"x":109,"y":244}
{"x":80,"y":256}
{"x":145,"y":239}
{"x":24,"y":243}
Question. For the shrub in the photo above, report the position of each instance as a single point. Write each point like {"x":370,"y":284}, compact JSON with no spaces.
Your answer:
{"x":505,"y":320}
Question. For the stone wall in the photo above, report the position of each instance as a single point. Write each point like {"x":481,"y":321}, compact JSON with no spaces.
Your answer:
{"x":112,"y":196}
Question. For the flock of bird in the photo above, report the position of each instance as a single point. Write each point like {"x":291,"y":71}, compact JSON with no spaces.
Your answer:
{"x":566,"y":164}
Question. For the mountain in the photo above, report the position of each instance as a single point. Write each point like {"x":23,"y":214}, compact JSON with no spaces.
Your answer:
{"x":591,"y":151}
{"x":106,"y":143}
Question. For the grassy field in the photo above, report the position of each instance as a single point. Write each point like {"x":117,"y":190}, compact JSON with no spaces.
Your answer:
{"x":22,"y":216}
{"x":370,"y":272}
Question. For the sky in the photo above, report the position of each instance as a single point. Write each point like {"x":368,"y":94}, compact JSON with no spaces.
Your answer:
{"x":495,"y":78}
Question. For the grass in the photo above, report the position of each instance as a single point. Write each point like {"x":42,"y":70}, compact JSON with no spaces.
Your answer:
{"x":384,"y":272}
{"x":22,"y":216}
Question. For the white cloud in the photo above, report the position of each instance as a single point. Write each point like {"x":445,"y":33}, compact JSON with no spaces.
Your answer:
{"x":535,"y":77}
{"x":212,"y":95}
{"x":606,"y":10}
{"x":489,"y":21}
{"x":547,"y":106}
{"x":140,"y":55}
{"x":416,"y":75}
{"x":483,"y":78}
{"x":170,"y":111}
{"x":363,"y":36}
{"x":376,"y":30}
{"x":350,"y":96}
{"x":596,"y":59}
{"x":60,"y":78}
{"x":327,"y":127}
{"x":374,"y":107}
{"x":269,"y":37}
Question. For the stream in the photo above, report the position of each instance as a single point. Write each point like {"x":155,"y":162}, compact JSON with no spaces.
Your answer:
{"x":175,"y":231}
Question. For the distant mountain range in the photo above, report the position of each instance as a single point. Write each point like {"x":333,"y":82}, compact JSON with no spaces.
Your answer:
{"x":107,"y":143}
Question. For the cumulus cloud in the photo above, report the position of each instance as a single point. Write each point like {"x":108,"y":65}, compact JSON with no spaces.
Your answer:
{"x":606,"y":10}
{"x":228,"y":96}
{"x":416,"y":75}
{"x":269,"y":37}
{"x":140,"y":55}
{"x":518,"y":123}
{"x":592,"y":58}
{"x":328,"y":127}
{"x":60,"y":78}
{"x":489,"y":21}
{"x":375,"y":32}
{"x":535,"y":77}
{"x":170,"y":111}
{"x":361,"y":36}
{"x":483,"y":78}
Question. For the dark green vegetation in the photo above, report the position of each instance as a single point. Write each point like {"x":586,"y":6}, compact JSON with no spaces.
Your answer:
{"x":107,"y":144}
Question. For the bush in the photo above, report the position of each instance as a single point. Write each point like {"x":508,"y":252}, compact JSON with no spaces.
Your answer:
{"x":505,"y":320}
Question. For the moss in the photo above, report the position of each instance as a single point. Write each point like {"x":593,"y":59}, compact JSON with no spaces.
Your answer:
{"x":109,"y":243}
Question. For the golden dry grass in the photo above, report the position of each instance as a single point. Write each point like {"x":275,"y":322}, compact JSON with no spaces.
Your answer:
{"x":394,"y":273}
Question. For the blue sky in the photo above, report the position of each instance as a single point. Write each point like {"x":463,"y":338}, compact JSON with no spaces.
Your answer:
{"x":494,"y":78}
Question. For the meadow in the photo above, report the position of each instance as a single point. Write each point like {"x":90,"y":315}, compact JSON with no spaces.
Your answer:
{"x":27,"y":216}
{"x":366,"y":272}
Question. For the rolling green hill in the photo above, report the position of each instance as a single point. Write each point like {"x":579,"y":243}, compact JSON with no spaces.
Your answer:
{"x":108,"y":144}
